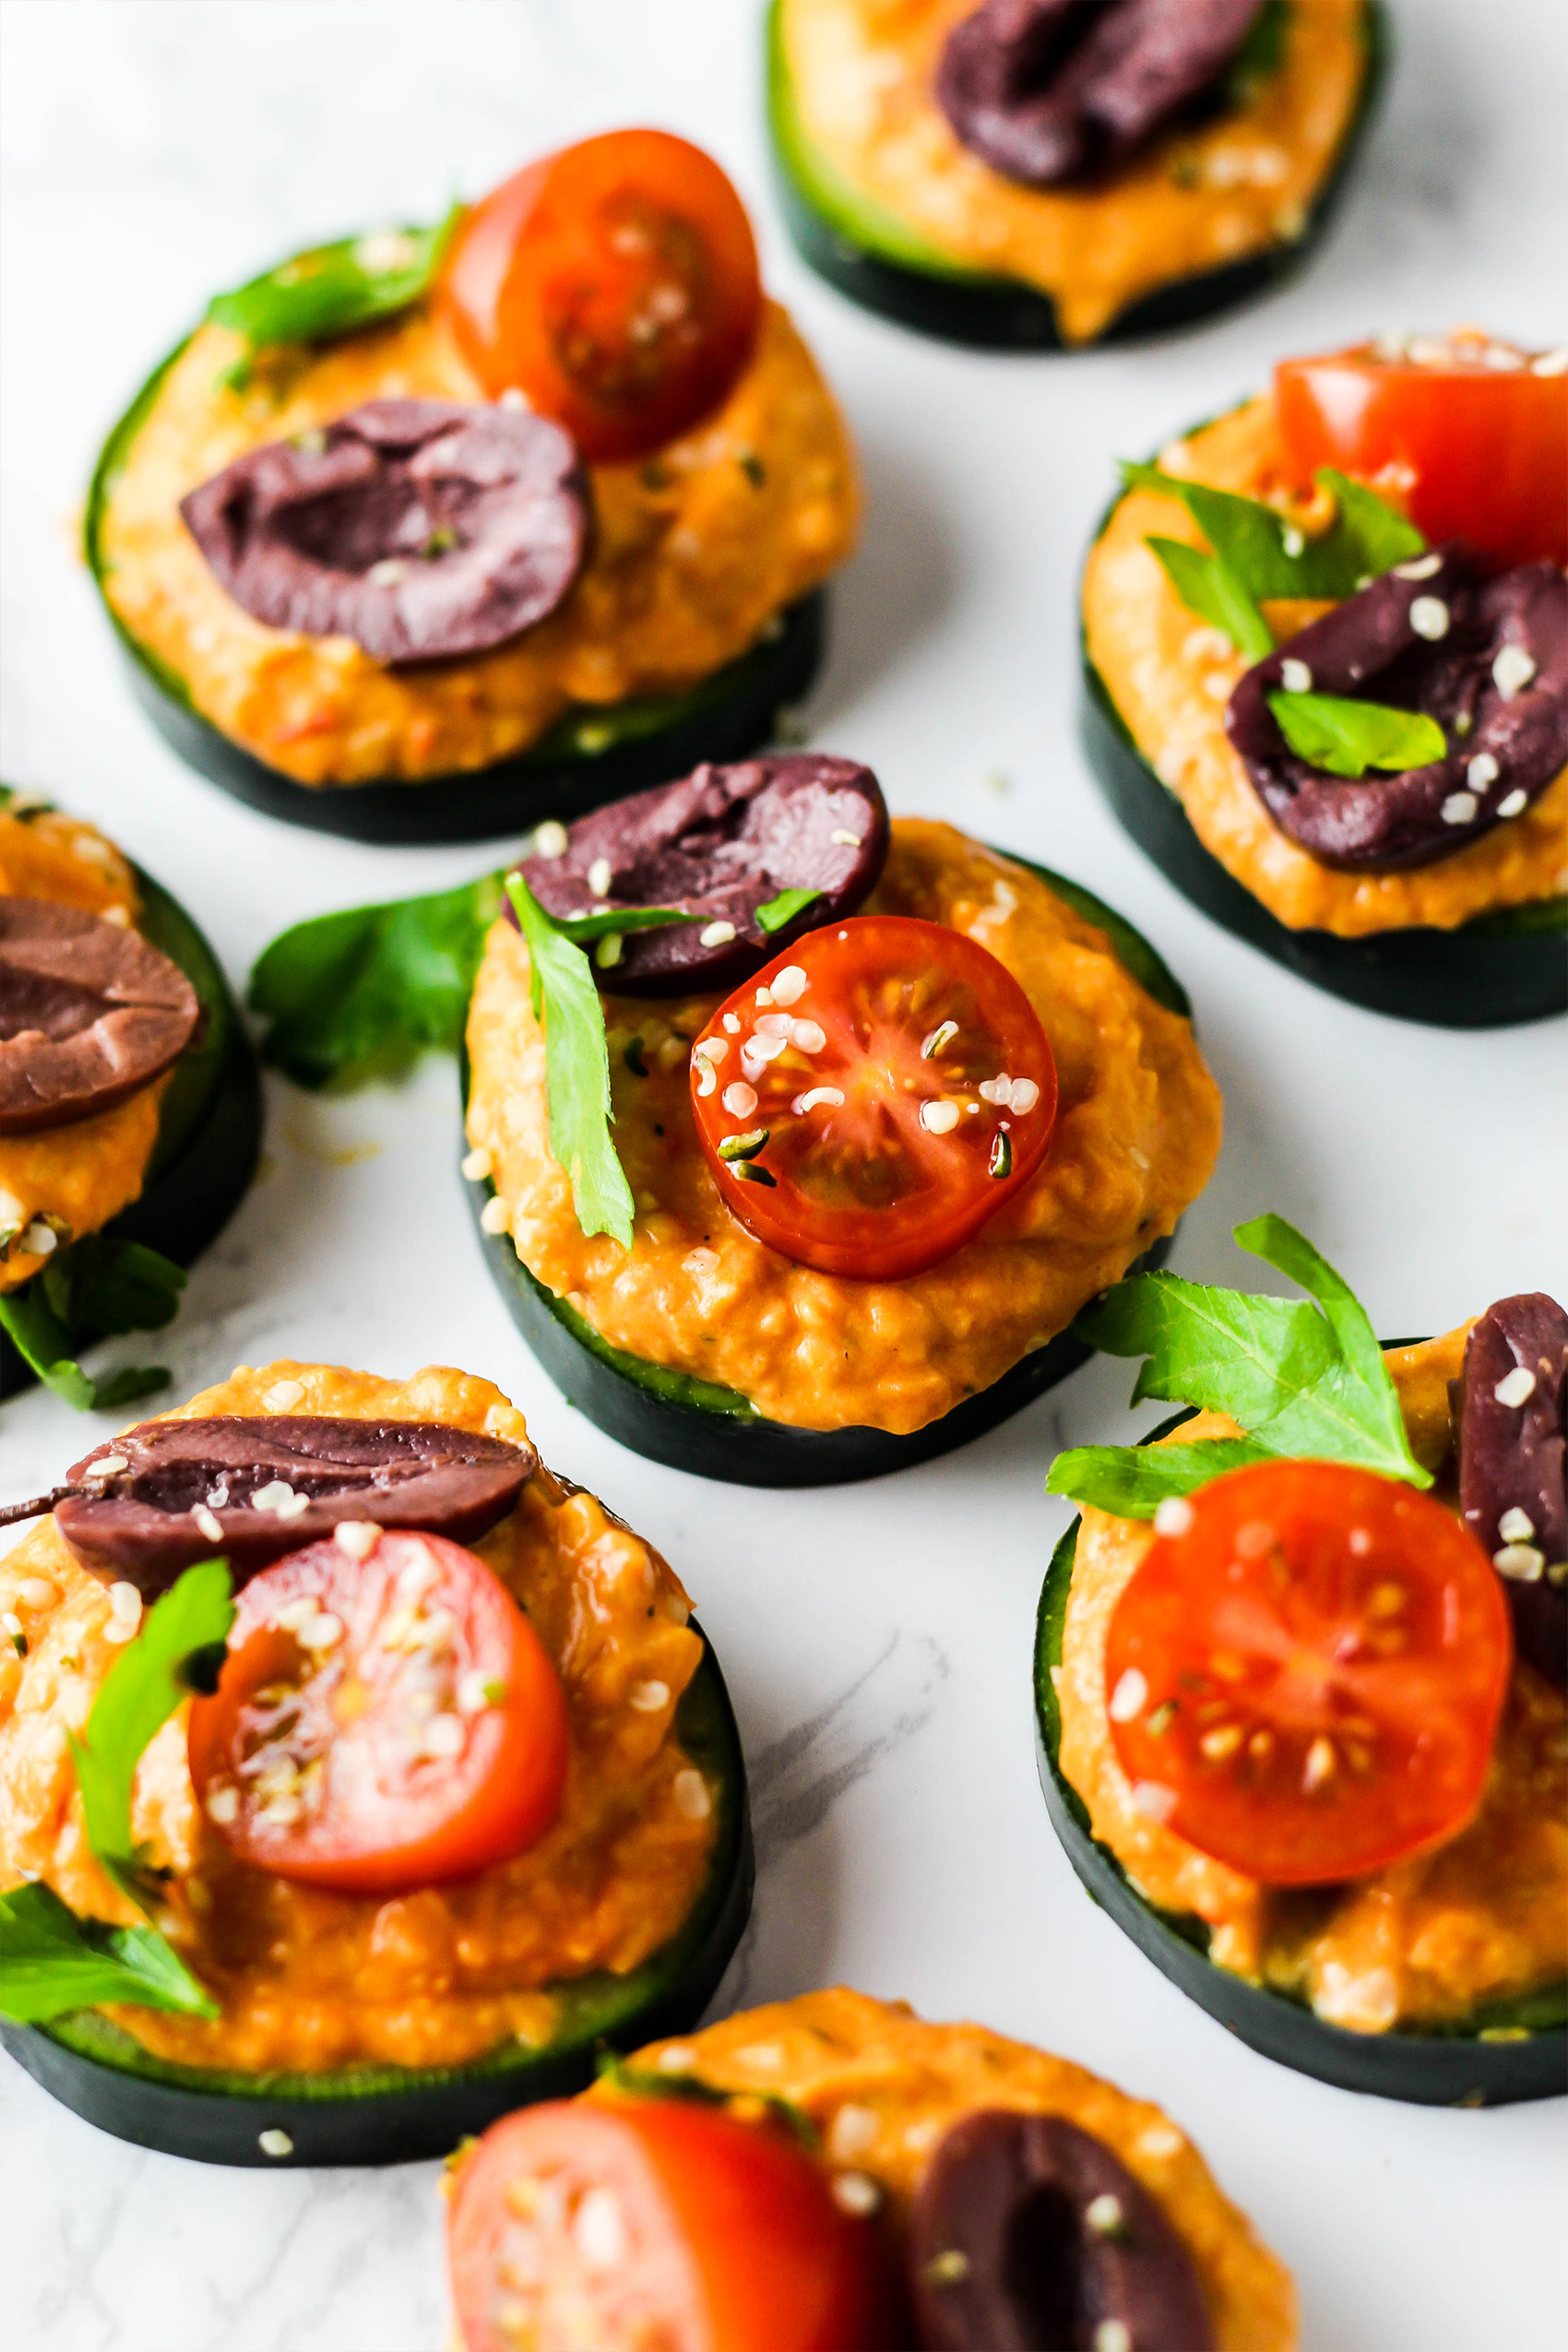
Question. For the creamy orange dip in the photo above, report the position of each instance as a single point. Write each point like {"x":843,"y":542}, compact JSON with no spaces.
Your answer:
{"x":863,"y":74}
{"x":883,"y":2087}
{"x":694,"y":553}
{"x":1170,"y":678}
{"x":1136,"y":1135}
{"x":84,"y":1175}
{"x":1426,"y":1941}
{"x":308,"y":1980}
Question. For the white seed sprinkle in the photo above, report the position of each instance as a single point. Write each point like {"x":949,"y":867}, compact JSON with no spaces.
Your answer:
{"x":791,"y":984}
{"x":845,"y":840}
{"x":1113,"y":2335}
{"x":710,"y":1049}
{"x":107,"y":1466}
{"x":765,"y":996}
{"x":678,"y":2058}
{"x":701,"y":1264}
{"x":208,"y":1521}
{"x":223,"y":1802}
{"x":1173,"y":1515}
{"x":1520,"y":1562}
{"x":853,"y":2132}
{"x":1321,"y":1765}
{"x":808,"y":1037}
{"x":40,"y":1240}
{"x":716,"y":934}
{"x":1023,"y":1096}
{"x":609,"y":950}
{"x":777,"y":1024}
{"x":1514,"y":806}
{"x":515,"y":398}
{"x":855,"y":2192}
{"x":1550,"y":363}
{"x":358,"y":1537}
{"x":1128,"y":1698}
{"x":649,"y":1697}
{"x":322,"y":1633}
{"x":1429,"y":618}
{"x":37,"y":1592}
{"x":124,"y":1603}
{"x":1216,"y":685}
{"x":1516,"y":1526}
{"x":739,"y":1099}
{"x":1154,"y":1800}
{"x":599,"y":2230}
{"x":495,"y":1217}
{"x":550,"y":840}
{"x":1419,"y":567}
{"x":1360,"y":1541}
{"x":732,"y":1024}
{"x":815,"y":1099}
{"x":477,"y":1165}
{"x":475,"y":1691}
{"x":1293,"y":542}
{"x":1104,"y":2215}
{"x":1159,"y":2141}
{"x":11,"y":1624}
{"x":691,"y":1795}
{"x":272,"y":1496}
{"x":1511,"y":669}
{"x":1482,"y":770}
{"x":1139,"y":1158}
{"x":283,"y":1395}
{"x":939,"y":1118}
{"x":297,"y":1613}
{"x":601,"y":874}
{"x":1295,"y":677}
{"x":707,"y":1082}
{"x":998,"y":1090}
{"x":444,"y":1736}
{"x":388,"y":572}
{"x":1459,"y":808}
{"x":275,"y":2142}
{"x":1516,"y":1388}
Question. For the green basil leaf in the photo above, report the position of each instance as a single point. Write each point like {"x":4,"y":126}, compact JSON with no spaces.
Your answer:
{"x":1370,"y":535}
{"x":785,"y":907}
{"x":52,"y":1963}
{"x":47,"y":1338}
{"x":582,"y":929}
{"x":576,"y":1069}
{"x":1346,"y":737}
{"x":1207,"y":586}
{"x":335,"y":288}
{"x":120,"y":1285}
{"x":1134,"y":1480}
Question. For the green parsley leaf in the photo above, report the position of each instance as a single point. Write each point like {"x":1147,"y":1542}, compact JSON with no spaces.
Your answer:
{"x":333,"y":288}
{"x":576,"y":1069}
{"x":93,"y":1289}
{"x":1346,"y":737}
{"x":785,"y":907}
{"x":51,"y":1963}
{"x":1207,"y":586}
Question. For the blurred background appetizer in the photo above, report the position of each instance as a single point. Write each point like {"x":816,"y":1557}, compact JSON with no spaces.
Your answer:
{"x":1041,"y":174}
{"x":428,"y":532}
{"x":130,"y":1109}
{"x":1326,"y":642}
{"x":359,"y":1778}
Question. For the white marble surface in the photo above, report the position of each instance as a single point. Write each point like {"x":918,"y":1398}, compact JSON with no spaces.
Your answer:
{"x":876,"y":1640}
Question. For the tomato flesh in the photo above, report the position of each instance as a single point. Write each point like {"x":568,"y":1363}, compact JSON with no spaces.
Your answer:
{"x":1305,"y":1682}
{"x":903,"y":1086}
{"x":1465,"y":434}
{"x":615,"y":284}
{"x":656,"y":2222}
{"x":387,"y":1718}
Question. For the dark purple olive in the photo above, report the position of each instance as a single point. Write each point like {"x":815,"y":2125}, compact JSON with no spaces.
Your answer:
{"x":147,"y":1504}
{"x":1028,"y":2235}
{"x":1509,"y":1403}
{"x":89,"y":1014}
{"x":417,"y":527}
{"x":1487,"y":659}
{"x":1047,"y":92}
{"x":721,"y":844}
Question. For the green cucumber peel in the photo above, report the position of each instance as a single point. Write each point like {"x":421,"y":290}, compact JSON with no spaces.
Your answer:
{"x":1346,"y":738}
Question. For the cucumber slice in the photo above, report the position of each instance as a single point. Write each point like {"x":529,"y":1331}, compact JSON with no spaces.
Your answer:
{"x":864,"y":249}
{"x":1508,"y":2052}
{"x":393,"y":2114}
{"x":691,"y":1424}
{"x":591,"y":756}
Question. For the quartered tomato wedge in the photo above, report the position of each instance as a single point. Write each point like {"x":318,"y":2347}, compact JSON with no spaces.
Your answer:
{"x":1305,"y":1679}
{"x":387,"y":1718}
{"x":656,"y":2222}
{"x":1470,"y":436}
{"x":614,"y":283}
{"x":876,"y":1093}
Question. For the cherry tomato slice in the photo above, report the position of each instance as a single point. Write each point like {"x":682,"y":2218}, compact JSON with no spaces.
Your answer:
{"x":656,"y":2222}
{"x":1464,"y":434}
{"x":1305,"y":1681}
{"x":615,"y":283}
{"x":873,"y":1095}
{"x":387,"y":1718}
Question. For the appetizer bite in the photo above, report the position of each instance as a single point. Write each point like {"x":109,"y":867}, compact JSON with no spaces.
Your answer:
{"x":1345,"y":744}
{"x":358,"y":1776}
{"x":1041,"y":174}
{"x":425,"y":534}
{"x":1300,"y":1679}
{"x":832,"y":2174}
{"x":130,"y":1109}
{"x":797,"y":1139}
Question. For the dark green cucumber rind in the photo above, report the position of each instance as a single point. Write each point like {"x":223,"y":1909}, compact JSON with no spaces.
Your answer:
{"x":1454,"y":2066}
{"x":391,"y":2114}
{"x":208,"y":1126}
{"x":865,"y":251}
{"x":1489,"y":973}
{"x":589,"y":756}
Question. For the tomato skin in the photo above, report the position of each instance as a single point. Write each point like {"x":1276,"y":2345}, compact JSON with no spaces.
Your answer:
{"x":1471,"y":452}
{"x":1343,"y":1647}
{"x":379,"y":1812}
{"x":864,"y":1187}
{"x":719,"y":2236}
{"x":615,"y":283}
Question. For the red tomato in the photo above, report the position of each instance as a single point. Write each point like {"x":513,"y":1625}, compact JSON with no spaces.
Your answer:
{"x":382,"y":1722}
{"x":1305,"y":1683}
{"x":656,"y":2222}
{"x":1473,"y":446}
{"x":615,"y":283}
{"x":900,"y":1083}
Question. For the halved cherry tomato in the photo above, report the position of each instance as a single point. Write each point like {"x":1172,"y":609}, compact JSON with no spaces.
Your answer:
{"x":615,"y":283}
{"x":656,"y":2222}
{"x":1466,"y":434}
{"x":387,"y":1718}
{"x":876,"y":1093}
{"x":1305,"y":1681}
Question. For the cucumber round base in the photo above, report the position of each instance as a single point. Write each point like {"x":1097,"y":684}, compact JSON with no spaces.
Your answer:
{"x":209,"y":1122}
{"x":1518,"y":2050}
{"x":873,"y":257}
{"x":1489,"y":973}
{"x":393,"y":2114}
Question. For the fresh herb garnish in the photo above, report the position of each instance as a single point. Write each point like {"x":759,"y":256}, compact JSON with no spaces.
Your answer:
{"x":649,"y":2083}
{"x":1261,"y":54}
{"x":785,"y":907}
{"x":96,"y":1288}
{"x":1301,"y":1380}
{"x":1346,"y":738}
{"x":52,"y":1962}
{"x":332,"y":290}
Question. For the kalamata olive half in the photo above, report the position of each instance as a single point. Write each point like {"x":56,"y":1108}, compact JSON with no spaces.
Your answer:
{"x":1509,"y":1403}
{"x":146,"y":1504}
{"x":721,"y":844}
{"x":89,"y":1014}
{"x":1029,"y":2235}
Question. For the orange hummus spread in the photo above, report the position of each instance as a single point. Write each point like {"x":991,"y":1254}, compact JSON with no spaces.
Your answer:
{"x":883,"y":2087}
{"x":78,"y":1176}
{"x":1170,"y":678}
{"x":1136,"y":1135}
{"x":1423,"y":1942}
{"x":307,"y":1979}
{"x":863,"y":74}
{"x":695,"y":554}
